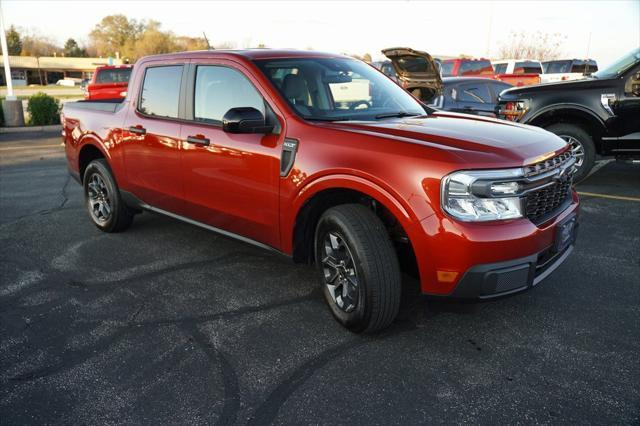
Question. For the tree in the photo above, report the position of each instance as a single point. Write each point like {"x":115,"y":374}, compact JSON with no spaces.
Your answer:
{"x":14,"y":43}
{"x":151,"y":41}
{"x":112,"y":33}
{"x":541,"y":46}
{"x":72,"y":49}
{"x":35,"y":44}
{"x":190,"y":43}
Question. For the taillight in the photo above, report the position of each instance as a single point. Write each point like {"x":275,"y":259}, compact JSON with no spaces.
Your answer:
{"x":513,"y":111}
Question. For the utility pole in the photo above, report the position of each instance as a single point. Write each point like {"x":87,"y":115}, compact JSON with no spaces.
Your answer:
{"x":5,"y":57}
{"x":11,"y":106}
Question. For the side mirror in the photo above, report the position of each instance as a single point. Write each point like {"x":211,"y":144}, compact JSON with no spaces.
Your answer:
{"x":245,"y":120}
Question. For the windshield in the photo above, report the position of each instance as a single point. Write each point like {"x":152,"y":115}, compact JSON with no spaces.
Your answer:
{"x":620,"y":66}
{"x":336,"y":89}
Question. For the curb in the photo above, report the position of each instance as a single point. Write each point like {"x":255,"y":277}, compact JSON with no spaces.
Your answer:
{"x":28,"y":129}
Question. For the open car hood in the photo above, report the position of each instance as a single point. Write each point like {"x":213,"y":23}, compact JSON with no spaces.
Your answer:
{"x":416,"y":70}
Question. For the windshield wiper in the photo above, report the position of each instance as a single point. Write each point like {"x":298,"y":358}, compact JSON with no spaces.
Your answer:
{"x":398,"y":114}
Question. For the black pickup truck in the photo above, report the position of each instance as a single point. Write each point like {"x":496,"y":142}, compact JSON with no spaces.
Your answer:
{"x":599,"y":114}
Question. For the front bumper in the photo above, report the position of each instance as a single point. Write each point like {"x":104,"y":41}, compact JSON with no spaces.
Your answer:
{"x":502,"y":278}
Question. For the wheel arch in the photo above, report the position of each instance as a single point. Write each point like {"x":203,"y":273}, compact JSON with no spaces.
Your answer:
{"x":331,"y":191}
{"x":572,"y":114}
{"x":90,"y":149}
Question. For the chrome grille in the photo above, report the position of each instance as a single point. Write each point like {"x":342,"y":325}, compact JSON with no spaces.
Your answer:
{"x":548,"y":165}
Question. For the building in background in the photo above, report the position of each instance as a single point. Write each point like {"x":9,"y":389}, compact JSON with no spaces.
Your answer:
{"x":50,"y":69}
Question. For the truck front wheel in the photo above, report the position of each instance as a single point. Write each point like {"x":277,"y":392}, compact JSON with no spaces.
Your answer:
{"x":581,"y":144}
{"x":102,"y":197}
{"x":359,"y":268}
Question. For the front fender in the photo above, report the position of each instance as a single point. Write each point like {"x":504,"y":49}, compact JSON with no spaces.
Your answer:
{"x":395,"y":204}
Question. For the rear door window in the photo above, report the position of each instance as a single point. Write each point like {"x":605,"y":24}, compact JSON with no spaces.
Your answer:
{"x":218,"y":89}
{"x":160,"y":95}
{"x":474,"y":93}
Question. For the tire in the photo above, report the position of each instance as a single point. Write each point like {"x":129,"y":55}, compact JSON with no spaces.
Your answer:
{"x":582,"y":146}
{"x":352,"y":230}
{"x":104,"y":204}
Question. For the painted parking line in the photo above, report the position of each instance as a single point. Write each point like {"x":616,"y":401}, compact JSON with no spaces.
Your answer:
{"x":612,"y":197}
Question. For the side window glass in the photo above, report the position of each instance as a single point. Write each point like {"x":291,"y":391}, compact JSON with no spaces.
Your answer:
{"x":478,"y":93}
{"x":218,"y":89}
{"x":161,"y":91}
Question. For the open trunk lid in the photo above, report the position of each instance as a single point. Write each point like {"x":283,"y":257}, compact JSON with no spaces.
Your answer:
{"x":417,"y":72}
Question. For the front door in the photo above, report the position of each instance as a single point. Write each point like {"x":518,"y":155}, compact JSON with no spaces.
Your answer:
{"x":151,"y":140}
{"x":627,"y":111}
{"x":230,"y":180}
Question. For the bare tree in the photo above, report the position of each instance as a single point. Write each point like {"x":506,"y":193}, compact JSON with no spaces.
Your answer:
{"x":538,"y":45}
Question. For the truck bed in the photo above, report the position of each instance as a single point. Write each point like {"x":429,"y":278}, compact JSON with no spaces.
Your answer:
{"x":104,"y":105}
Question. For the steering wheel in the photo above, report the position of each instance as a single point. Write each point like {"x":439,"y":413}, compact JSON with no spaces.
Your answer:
{"x":360,"y":103}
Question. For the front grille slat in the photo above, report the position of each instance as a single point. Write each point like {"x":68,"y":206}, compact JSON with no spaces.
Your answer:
{"x":541,"y":203}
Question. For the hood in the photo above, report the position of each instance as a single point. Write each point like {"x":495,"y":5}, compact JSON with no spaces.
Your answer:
{"x":416,"y":70}
{"x":477,"y":142}
{"x":570,"y":85}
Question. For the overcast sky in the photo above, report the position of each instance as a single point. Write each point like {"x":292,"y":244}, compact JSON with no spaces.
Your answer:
{"x":448,"y":28}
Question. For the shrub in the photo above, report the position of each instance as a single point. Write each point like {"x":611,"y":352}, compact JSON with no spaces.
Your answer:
{"x":44,"y":109}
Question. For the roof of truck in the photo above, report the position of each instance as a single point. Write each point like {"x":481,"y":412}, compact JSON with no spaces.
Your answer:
{"x":250,"y":54}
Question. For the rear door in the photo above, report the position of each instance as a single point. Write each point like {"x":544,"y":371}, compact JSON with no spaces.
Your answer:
{"x":231,"y":180}
{"x":151,"y":137}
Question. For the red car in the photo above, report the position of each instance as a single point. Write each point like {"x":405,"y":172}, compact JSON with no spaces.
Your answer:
{"x":109,"y":82}
{"x":252,"y":144}
{"x":467,"y":68}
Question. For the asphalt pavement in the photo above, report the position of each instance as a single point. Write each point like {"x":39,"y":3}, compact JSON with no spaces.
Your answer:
{"x":170,"y":324}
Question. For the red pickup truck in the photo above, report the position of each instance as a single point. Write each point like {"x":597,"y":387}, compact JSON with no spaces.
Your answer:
{"x":251,"y":144}
{"x":108,"y":82}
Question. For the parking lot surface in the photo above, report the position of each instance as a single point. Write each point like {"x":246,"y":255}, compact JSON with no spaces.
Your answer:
{"x":170,"y":324}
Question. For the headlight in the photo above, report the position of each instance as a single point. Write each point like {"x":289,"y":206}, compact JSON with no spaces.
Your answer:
{"x":483,"y":195}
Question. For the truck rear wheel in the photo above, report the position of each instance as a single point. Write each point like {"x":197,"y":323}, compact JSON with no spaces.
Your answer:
{"x":102,"y":197}
{"x":581,"y":144}
{"x":359,"y":268}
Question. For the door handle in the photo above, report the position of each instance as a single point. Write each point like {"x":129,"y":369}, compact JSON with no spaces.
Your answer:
{"x":198,"y":140}
{"x":139,"y":130}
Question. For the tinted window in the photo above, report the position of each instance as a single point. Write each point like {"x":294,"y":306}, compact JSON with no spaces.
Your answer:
{"x":475,"y":68}
{"x":478,"y":93}
{"x":584,"y":67}
{"x":115,"y":75}
{"x":218,"y":89}
{"x":500,"y":68}
{"x":447,"y":68}
{"x":558,"y":67}
{"x":161,"y":91}
{"x":527,"y":67}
